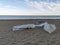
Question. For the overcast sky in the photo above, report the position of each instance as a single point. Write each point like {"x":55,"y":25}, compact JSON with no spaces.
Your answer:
{"x":29,"y":7}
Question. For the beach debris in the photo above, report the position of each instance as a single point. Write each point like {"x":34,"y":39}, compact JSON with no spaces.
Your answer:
{"x":24,"y":26}
{"x":46,"y":26}
{"x":49,"y":28}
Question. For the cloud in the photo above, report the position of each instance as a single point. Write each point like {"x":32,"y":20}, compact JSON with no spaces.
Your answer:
{"x":5,"y":11}
{"x":42,"y":5}
{"x":40,"y":8}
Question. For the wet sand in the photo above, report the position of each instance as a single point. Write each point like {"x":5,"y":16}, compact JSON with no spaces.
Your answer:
{"x":35,"y":36}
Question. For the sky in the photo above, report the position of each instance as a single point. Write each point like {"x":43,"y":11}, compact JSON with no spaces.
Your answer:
{"x":29,"y":7}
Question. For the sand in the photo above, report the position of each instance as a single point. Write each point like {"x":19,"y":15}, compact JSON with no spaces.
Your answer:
{"x":35,"y":36}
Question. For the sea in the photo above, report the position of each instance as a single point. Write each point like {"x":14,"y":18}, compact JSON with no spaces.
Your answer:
{"x":7,"y":17}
